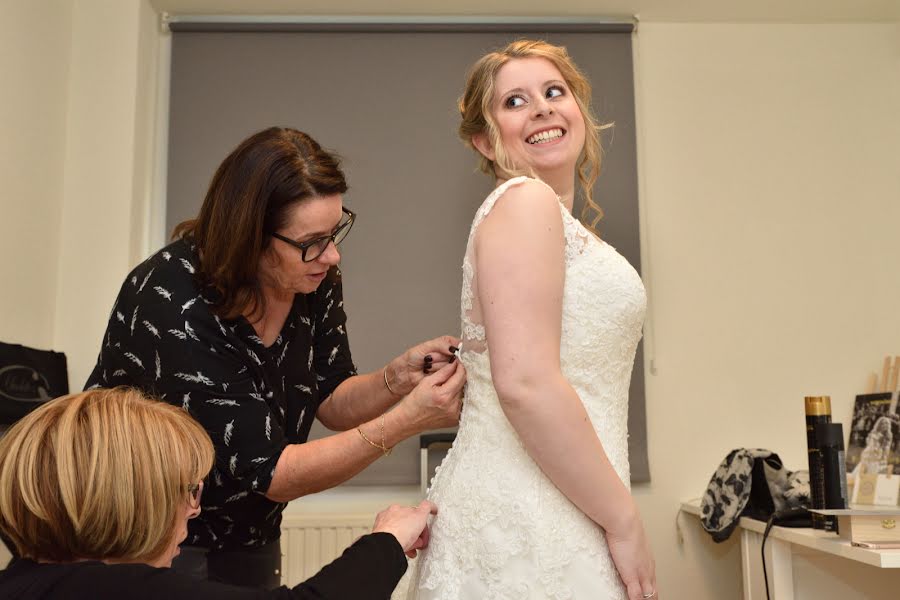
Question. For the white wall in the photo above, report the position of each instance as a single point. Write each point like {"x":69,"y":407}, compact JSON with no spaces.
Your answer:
{"x":76,"y":165}
{"x":34,"y":62}
{"x":770,"y":170}
{"x":770,"y":188}
{"x":108,"y":162}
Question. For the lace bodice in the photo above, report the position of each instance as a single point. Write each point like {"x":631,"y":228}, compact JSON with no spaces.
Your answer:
{"x":472,"y":328}
{"x":503,"y":529}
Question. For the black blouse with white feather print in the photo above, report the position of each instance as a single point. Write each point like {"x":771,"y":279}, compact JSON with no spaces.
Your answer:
{"x":253,"y":400}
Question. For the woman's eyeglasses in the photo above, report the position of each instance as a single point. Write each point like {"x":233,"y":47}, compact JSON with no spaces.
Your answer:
{"x":313,"y":249}
{"x":195,"y":491}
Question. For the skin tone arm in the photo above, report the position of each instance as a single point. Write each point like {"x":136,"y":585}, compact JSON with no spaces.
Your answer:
{"x":321,"y":464}
{"x":519,"y":259}
{"x":365,"y":397}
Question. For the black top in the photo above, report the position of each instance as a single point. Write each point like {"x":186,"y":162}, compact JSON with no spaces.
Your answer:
{"x":368,"y":570}
{"x":253,"y":400}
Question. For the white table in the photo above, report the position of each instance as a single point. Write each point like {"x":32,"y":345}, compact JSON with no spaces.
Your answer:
{"x":785,"y":542}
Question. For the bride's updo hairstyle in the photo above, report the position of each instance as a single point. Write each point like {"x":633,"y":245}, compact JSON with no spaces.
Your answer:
{"x":476,"y":103}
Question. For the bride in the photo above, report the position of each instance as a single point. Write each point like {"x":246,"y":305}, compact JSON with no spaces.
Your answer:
{"x":534,"y":495}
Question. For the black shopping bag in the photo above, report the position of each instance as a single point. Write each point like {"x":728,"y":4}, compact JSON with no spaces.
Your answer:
{"x":28,"y":378}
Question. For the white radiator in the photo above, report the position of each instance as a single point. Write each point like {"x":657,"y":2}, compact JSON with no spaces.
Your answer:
{"x":317,"y":528}
{"x":311,"y":541}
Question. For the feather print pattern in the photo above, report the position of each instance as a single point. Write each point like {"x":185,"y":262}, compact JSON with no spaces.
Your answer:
{"x":146,"y":279}
{"x":188,"y":304}
{"x":222,"y":402}
{"x":165,"y":336}
{"x":187,"y":266}
{"x":198,"y":378}
{"x":130,"y":356}
{"x":153,"y":330}
{"x":189,"y":331}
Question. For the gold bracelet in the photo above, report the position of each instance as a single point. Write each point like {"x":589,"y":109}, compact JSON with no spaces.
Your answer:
{"x":383,"y":447}
{"x":383,"y":441}
{"x":390,"y":389}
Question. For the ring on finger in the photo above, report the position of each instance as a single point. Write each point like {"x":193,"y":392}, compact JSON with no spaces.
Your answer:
{"x":648,"y":596}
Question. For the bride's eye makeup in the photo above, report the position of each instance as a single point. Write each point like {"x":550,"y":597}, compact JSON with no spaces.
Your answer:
{"x":514,"y":101}
{"x":555,"y":91}
{"x":517,"y":100}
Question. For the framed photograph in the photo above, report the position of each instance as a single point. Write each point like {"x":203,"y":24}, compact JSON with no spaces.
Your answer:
{"x":874,"y":444}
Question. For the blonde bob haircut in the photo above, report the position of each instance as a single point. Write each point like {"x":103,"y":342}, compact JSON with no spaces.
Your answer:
{"x":100,"y":475}
{"x":477,"y":103}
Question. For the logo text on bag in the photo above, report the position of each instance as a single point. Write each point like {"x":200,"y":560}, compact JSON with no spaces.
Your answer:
{"x":23,"y":384}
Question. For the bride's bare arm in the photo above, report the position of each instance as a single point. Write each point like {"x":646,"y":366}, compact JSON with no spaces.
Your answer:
{"x":520,"y":261}
{"x":519,"y":252}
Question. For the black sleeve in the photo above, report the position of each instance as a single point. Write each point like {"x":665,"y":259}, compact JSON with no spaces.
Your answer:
{"x":331,"y":348}
{"x":368,"y":570}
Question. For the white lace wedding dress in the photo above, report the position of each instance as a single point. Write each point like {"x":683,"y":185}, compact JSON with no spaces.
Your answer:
{"x":503,"y":530}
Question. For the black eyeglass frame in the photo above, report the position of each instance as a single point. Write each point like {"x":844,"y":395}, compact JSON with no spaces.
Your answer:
{"x":305,"y":246}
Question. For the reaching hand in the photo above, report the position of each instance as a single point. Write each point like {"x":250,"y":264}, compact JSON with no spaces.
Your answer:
{"x":409,"y":524}
{"x":407,"y":370}
{"x":436,"y":401}
{"x":631,"y":553}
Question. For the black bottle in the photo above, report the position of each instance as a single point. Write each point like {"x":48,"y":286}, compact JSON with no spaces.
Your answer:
{"x":818,"y":412}
{"x":831,"y":444}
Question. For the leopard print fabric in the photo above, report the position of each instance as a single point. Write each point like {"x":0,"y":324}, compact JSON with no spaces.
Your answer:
{"x":729,"y":491}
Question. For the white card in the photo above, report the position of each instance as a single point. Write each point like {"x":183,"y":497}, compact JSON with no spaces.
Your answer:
{"x":887,"y":490}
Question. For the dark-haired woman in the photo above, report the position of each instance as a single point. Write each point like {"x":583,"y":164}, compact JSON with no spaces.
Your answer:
{"x":241,"y":321}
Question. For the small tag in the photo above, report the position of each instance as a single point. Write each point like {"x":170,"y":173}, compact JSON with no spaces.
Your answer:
{"x":864,"y":490}
{"x":887,"y":490}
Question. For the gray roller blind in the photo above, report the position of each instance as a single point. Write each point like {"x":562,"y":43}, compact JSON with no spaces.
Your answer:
{"x":385,"y":101}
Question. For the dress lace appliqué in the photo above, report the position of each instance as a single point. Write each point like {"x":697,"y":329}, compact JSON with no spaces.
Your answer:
{"x":504,"y":531}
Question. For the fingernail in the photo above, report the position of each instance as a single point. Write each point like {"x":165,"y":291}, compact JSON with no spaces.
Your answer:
{"x":452,"y":358}
{"x":428,"y":358}
{"x":453,"y":349}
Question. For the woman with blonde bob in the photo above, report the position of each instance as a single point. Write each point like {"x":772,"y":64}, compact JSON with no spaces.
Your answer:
{"x":96,"y":490}
{"x":534,"y":494}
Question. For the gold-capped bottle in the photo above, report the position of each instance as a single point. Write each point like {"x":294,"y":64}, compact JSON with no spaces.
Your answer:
{"x":818,"y":412}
